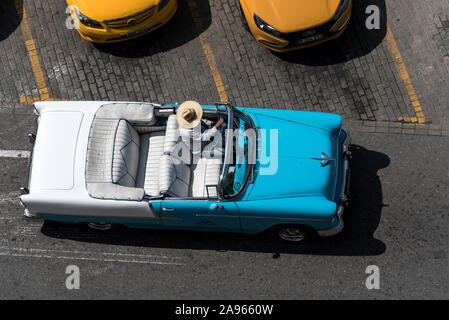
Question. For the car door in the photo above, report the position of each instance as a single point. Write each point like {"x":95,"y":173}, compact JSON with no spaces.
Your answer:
{"x":207,"y":215}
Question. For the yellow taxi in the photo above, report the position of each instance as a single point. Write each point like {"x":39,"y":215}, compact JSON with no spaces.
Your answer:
{"x":107,"y":21}
{"x":284,"y":25}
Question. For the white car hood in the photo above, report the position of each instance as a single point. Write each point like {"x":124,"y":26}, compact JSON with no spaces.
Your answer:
{"x":54,"y":150}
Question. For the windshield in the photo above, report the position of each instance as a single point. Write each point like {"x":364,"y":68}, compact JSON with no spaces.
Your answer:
{"x":240,"y":142}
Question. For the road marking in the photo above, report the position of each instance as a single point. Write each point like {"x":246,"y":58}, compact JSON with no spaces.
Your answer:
{"x":207,"y":50}
{"x":400,"y":66}
{"x":15,"y":154}
{"x":100,"y":256}
{"x":34,"y":58}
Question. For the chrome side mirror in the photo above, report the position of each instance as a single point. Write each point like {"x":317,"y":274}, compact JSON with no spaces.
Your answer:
{"x":31,"y":137}
{"x":24,"y":190}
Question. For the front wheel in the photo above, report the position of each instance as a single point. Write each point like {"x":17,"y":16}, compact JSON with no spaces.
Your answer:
{"x":291,"y":233}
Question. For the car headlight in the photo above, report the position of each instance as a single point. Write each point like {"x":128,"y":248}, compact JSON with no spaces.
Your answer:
{"x":162,"y":4}
{"x":341,"y":9}
{"x":87,"y":21}
{"x":262,"y":25}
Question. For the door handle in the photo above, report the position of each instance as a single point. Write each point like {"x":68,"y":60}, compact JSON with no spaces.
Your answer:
{"x":165,"y":209}
{"x":215,"y":206}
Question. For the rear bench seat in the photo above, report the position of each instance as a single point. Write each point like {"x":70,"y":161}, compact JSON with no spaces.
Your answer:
{"x":113,"y":150}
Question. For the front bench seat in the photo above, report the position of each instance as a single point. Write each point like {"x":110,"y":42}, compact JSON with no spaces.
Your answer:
{"x":206,"y":173}
{"x":174,"y":171}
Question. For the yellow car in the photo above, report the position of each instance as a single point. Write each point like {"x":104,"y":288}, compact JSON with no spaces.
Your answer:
{"x":284,"y":25}
{"x":107,"y":21}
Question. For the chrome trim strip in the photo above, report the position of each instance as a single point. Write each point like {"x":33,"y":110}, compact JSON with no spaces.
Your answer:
{"x":216,"y":216}
{"x":228,"y":143}
{"x":131,"y":16}
{"x":171,"y":218}
{"x":282,"y":219}
{"x":339,"y":20}
{"x":337,"y":164}
{"x":345,"y":166}
{"x":278,"y":46}
{"x":338,"y":228}
{"x":250,"y":169}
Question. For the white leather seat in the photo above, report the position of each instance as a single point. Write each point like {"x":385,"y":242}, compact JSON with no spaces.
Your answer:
{"x":151,"y":150}
{"x":125,"y":159}
{"x":174,"y":177}
{"x":207,"y":172}
{"x":112,"y":160}
{"x":174,"y":172}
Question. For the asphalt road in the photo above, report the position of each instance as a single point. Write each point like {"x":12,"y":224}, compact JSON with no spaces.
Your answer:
{"x":397,"y":220}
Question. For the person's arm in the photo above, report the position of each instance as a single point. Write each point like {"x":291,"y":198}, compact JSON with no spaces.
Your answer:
{"x":219,"y":123}
{"x":207,"y":134}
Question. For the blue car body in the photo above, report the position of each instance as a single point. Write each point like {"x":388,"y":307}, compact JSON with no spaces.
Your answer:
{"x":308,"y":186}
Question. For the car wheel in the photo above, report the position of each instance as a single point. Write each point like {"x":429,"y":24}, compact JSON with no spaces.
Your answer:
{"x":102,"y":226}
{"x":242,"y":15}
{"x":291,"y":233}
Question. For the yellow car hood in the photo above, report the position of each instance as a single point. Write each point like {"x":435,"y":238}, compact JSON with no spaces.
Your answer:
{"x":294,"y":15}
{"x":112,"y":9}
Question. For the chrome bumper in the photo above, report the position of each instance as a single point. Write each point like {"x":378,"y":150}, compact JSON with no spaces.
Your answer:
{"x":344,"y":192}
{"x":336,"y":229}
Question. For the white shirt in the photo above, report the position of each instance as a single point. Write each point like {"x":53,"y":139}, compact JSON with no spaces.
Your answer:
{"x":197,"y":136}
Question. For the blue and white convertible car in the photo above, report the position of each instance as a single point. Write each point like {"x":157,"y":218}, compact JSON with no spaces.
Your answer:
{"x":106,"y":163}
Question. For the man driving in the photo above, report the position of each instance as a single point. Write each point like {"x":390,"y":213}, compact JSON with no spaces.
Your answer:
{"x":192,"y":127}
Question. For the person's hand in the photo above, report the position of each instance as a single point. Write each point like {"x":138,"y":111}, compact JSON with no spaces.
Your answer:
{"x":219,"y":123}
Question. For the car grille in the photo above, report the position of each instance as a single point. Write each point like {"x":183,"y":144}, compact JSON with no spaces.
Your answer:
{"x":131,"y":20}
{"x":323,"y":29}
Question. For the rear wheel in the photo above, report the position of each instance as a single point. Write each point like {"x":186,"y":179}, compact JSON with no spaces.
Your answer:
{"x":291,"y":233}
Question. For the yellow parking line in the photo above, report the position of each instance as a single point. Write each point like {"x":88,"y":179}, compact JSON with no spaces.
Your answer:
{"x":34,"y":58}
{"x":400,"y":66}
{"x":207,"y":50}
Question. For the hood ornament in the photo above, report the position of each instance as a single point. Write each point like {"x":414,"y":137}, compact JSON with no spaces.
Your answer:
{"x":324,"y":159}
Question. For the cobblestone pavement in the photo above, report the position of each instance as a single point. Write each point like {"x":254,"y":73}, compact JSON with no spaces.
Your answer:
{"x":356,"y":75}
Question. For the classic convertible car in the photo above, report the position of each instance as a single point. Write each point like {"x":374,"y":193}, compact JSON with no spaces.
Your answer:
{"x":106,"y":163}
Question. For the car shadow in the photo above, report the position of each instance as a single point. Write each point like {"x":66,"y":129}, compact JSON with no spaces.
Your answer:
{"x":357,"y":239}
{"x":11,"y":14}
{"x":355,"y":42}
{"x":180,"y":30}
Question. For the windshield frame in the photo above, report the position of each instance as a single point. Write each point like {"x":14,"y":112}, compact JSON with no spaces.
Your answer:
{"x":228,"y":145}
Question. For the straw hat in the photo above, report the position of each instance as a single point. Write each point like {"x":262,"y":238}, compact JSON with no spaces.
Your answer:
{"x":189,"y":114}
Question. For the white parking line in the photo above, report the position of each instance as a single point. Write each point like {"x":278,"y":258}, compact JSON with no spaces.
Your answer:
{"x":100,"y":256}
{"x":14,"y":154}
